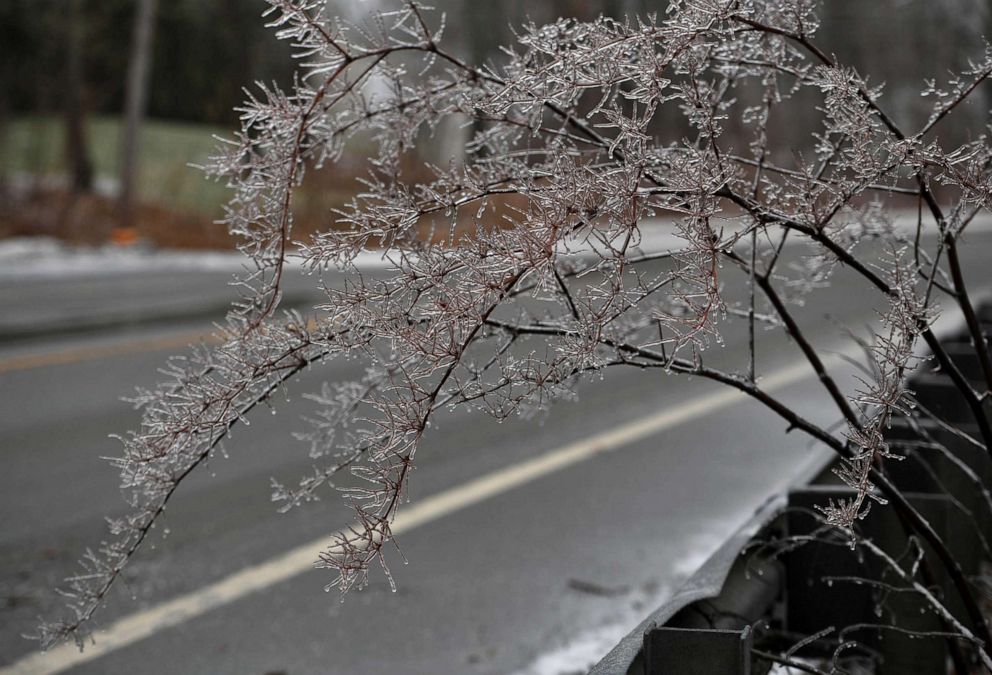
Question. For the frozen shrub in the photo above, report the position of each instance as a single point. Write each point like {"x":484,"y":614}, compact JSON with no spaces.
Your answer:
{"x":517,"y":268}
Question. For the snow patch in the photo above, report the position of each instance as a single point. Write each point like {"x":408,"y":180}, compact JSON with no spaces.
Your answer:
{"x":701,"y":547}
{"x":45,"y":257}
{"x":586,"y":649}
{"x":40,"y":258}
{"x":579,"y":655}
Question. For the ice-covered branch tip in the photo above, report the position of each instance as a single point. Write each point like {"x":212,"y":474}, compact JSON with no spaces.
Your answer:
{"x":529,"y":261}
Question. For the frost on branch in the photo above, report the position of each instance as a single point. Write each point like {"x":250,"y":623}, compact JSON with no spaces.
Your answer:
{"x":520,"y":269}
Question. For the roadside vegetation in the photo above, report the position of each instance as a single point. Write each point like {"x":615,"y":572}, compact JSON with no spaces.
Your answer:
{"x":34,"y":148}
{"x":177,"y":206}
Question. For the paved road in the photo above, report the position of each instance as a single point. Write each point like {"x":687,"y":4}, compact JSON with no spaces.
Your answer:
{"x":536,"y":576}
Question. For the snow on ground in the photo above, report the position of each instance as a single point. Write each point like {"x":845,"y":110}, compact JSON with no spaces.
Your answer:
{"x":39,"y":258}
{"x":580,"y":653}
{"x":44,"y":257}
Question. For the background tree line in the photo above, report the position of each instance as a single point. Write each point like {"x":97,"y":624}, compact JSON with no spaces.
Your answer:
{"x":203,"y":53}
{"x":73,"y":59}
{"x":206,"y":51}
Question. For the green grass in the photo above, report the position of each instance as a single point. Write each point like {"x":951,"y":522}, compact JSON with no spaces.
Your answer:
{"x":36,"y":146}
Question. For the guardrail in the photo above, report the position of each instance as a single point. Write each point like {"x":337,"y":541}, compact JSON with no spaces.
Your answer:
{"x":719,"y":619}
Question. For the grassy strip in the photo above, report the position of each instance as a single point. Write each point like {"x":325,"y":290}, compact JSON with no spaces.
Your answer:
{"x":36,"y":146}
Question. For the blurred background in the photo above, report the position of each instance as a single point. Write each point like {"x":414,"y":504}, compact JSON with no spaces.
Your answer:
{"x":104,"y":104}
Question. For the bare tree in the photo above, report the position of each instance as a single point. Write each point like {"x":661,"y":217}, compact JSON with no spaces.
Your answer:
{"x":77,"y":152}
{"x":518,"y":272}
{"x":136,"y":97}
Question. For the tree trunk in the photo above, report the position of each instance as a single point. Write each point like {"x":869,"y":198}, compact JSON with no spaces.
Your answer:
{"x":134,"y":105}
{"x":76,"y":148}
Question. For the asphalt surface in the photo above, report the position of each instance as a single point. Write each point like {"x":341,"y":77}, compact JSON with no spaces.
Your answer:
{"x":531,"y":578}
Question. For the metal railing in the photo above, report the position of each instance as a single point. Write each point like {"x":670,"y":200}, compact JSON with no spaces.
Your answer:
{"x":713,"y":622}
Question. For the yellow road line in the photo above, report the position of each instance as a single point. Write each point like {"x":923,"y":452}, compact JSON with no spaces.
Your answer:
{"x":97,"y":352}
{"x":107,"y":351}
{"x":140,"y":625}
